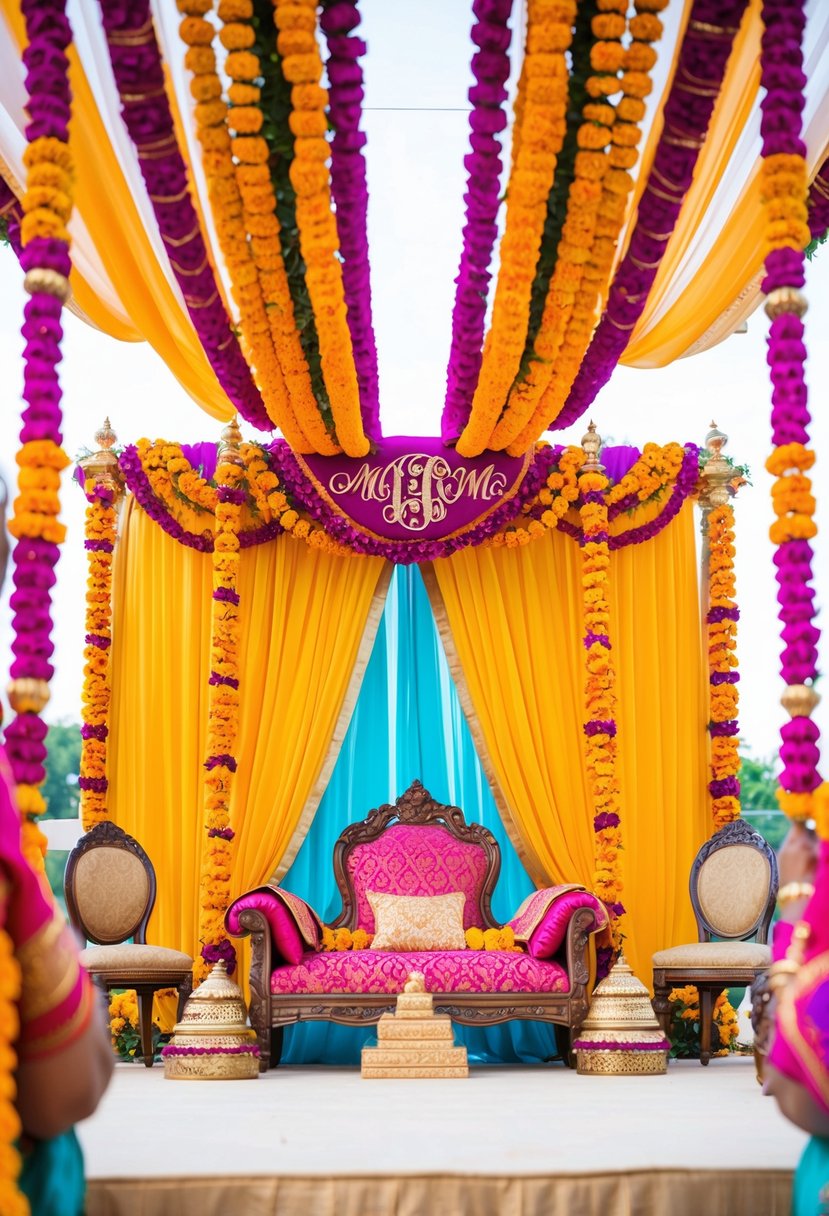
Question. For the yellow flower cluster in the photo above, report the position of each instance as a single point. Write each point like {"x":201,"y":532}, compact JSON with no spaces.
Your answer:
{"x":492,"y":939}
{"x":345,"y":939}
{"x":11,"y":1200}
{"x":96,"y":693}
{"x":222,"y":714}
{"x":784,"y":185}
{"x":540,"y":129}
{"x":722,"y":658}
{"x":596,"y":207}
{"x":318,"y":240}
{"x":791,"y":495}
{"x":725,"y":1015}
{"x":229,"y":217}
{"x":655,"y":470}
{"x":50,"y":185}
{"x":600,"y":697}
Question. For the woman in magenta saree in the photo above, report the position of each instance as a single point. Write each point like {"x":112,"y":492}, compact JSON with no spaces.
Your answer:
{"x":63,"y":1057}
{"x":798,"y":1075}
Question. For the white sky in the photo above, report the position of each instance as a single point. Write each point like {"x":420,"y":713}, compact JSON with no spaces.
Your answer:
{"x":416,"y":183}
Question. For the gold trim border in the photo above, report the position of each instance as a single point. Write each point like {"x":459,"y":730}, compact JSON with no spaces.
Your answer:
{"x":526,"y":855}
{"x":306,"y":818}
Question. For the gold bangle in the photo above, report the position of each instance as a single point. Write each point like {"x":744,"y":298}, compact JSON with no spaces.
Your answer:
{"x":793,"y":891}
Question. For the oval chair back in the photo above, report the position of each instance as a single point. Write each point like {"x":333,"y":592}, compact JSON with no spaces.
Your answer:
{"x":109,"y":886}
{"x":734,"y":884}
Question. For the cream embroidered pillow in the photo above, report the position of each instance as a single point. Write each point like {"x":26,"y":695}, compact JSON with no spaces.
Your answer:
{"x":418,"y":922}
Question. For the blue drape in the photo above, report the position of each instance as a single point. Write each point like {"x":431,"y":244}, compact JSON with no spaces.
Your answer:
{"x":407,"y":723}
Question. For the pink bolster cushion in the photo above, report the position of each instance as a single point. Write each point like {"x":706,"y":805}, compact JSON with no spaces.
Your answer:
{"x":285,"y":935}
{"x":550,"y":933}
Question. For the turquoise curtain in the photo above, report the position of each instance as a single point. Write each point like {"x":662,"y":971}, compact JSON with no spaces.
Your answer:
{"x":407,"y":723}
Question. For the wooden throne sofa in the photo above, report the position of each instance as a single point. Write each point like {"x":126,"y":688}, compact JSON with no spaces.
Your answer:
{"x":420,"y":848}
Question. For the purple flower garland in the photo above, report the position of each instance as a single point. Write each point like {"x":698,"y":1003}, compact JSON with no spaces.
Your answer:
{"x":490,"y":68}
{"x":818,"y":203}
{"x":35,"y":557}
{"x":350,"y":194}
{"x":699,"y":74}
{"x":139,"y":76}
{"x":782,"y":77}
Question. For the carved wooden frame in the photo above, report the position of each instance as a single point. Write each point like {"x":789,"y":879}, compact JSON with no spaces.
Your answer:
{"x":738,"y":832}
{"x":270,"y":1013}
{"x":108,"y":835}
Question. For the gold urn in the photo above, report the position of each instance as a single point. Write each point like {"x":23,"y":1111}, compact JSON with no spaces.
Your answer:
{"x":213,"y":1041}
{"x":620,"y":1034}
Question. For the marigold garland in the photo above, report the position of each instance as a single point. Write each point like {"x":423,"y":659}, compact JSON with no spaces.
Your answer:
{"x":600,"y":702}
{"x":302,"y":67}
{"x":721,"y":622}
{"x":540,"y":130}
{"x":345,"y":939}
{"x":12,"y":1201}
{"x":99,"y":543}
{"x":222,"y":719}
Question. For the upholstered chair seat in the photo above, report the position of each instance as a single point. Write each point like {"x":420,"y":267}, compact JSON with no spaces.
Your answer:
{"x":110,"y":892}
{"x":733,"y":891}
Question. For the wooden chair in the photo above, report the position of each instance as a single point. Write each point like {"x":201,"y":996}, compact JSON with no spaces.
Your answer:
{"x":110,"y":891}
{"x":733,"y":892}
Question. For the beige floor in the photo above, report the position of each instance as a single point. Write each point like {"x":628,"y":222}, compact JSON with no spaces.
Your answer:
{"x":515,"y":1138}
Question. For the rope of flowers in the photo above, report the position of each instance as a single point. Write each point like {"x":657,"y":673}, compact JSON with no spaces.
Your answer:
{"x":99,"y":542}
{"x":818,"y":203}
{"x":543,"y":126}
{"x":701,"y":63}
{"x":350,"y":194}
{"x":139,"y":76}
{"x":491,"y":36}
{"x":721,"y":624}
{"x":222,"y":715}
{"x":600,"y":704}
{"x":577,"y":321}
{"x":249,"y":153}
{"x":47,"y":205}
{"x":226,"y":207}
{"x":309,"y":175}
{"x":784,"y":192}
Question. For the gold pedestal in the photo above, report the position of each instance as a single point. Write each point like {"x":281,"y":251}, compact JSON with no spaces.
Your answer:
{"x":414,"y":1041}
{"x":213,"y":1042}
{"x":620,"y":1035}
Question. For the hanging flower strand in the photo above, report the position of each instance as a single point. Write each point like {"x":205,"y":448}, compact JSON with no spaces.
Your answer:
{"x":102,"y":486}
{"x":784,"y":195}
{"x":222,"y":709}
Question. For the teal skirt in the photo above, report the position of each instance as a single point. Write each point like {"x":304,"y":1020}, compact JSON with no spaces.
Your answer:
{"x":811,"y":1180}
{"x":52,"y":1177}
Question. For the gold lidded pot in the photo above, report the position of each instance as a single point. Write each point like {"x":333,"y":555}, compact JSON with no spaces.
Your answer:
{"x":620,"y":1034}
{"x":213,"y":1041}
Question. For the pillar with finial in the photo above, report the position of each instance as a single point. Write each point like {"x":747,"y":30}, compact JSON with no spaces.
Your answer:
{"x":591,"y":443}
{"x":717,"y":485}
{"x":101,"y":466}
{"x":230,"y":443}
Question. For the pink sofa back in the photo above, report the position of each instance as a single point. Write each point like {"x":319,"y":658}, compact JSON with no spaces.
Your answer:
{"x":417,"y":860}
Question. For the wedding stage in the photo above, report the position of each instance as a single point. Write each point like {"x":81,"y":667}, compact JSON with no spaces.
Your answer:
{"x":510,"y":1141}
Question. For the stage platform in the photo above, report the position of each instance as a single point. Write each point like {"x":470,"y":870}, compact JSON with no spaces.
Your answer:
{"x":507,"y":1141}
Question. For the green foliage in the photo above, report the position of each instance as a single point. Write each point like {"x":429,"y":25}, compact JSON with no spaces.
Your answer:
{"x":758,"y":786}
{"x":815,"y":244}
{"x":63,"y":766}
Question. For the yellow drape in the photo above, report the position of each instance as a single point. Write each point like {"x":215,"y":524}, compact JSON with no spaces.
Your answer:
{"x":303,"y":616}
{"x":515,"y":618}
{"x":103,"y":198}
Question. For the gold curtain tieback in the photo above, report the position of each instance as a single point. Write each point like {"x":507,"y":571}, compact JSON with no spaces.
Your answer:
{"x":170,"y":198}
{"x":192,"y":303}
{"x":177,"y":241}
{"x":189,"y":273}
{"x":795,"y":890}
{"x":698,"y":90}
{"x":133,"y":37}
{"x":132,"y":97}
{"x":669,"y":198}
{"x":701,"y":81}
{"x":680,"y":141}
{"x":716,"y":31}
{"x":153,"y":145}
{"x":654,"y":236}
{"x":644,"y":265}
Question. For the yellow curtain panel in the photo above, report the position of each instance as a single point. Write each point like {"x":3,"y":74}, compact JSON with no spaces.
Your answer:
{"x":308,"y":621}
{"x":514,"y":616}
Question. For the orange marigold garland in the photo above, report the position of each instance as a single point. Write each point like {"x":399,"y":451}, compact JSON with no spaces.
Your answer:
{"x":223,"y":717}
{"x":12,"y":1202}
{"x":722,"y":618}
{"x":309,"y":174}
{"x":600,"y":702}
{"x":99,"y":543}
{"x":542,"y":112}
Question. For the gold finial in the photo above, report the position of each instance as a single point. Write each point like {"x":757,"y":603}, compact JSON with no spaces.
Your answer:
{"x":799,"y":700}
{"x":591,"y":443}
{"x":717,"y":473}
{"x":785,"y":301}
{"x":230,"y":442}
{"x":101,"y":467}
{"x":27,"y":695}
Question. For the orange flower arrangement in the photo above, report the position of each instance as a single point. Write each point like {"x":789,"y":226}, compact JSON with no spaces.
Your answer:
{"x":722,"y":663}
{"x":302,"y":67}
{"x":571,"y":315}
{"x":11,"y":1199}
{"x":540,"y":128}
{"x":95,"y":697}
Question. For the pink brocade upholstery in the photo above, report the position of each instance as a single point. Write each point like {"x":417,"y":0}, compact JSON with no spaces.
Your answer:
{"x":287,"y":940}
{"x":413,"y":860}
{"x":378,"y":971}
{"x":551,"y":930}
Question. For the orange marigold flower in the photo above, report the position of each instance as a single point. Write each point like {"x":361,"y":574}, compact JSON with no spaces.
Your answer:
{"x":195,"y":31}
{"x":607,"y":56}
{"x":608,"y":25}
{"x":631,"y":109}
{"x":247,"y":120}
{"x":242,"y":65}
{"x":636,"y":84}
{"x":235,"y":10}
{"x":237,"y":37}
{"x":640,"y":57}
